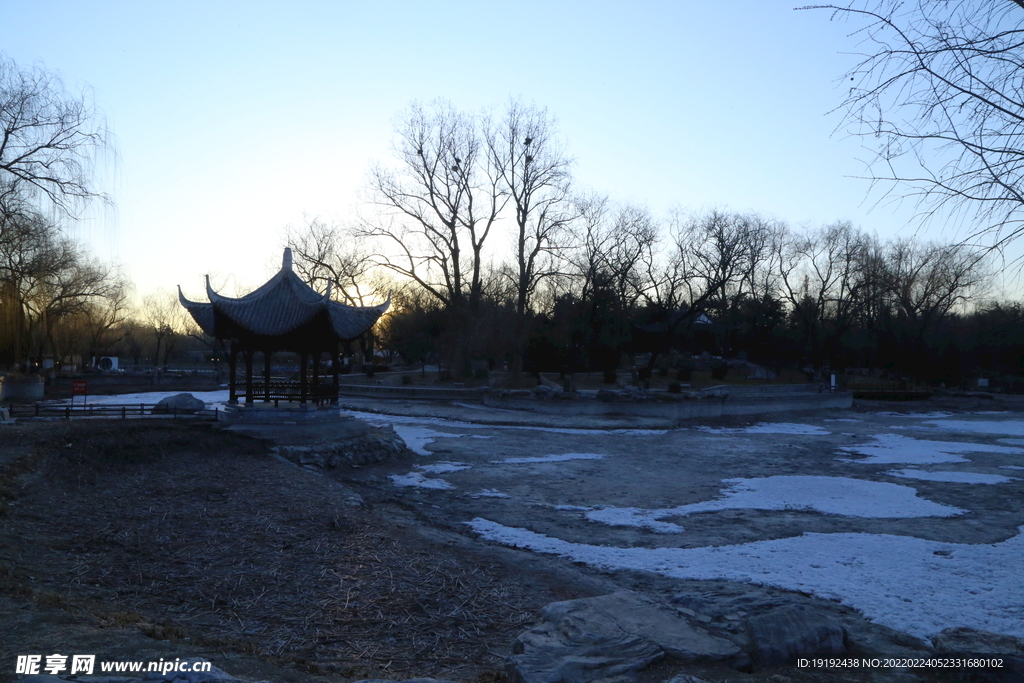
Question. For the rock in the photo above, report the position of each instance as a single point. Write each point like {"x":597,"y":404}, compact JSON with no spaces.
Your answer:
{"x":972,"y":641}
{"x":611,"y":635}
{"x":5,"y":415}
{"x":409,"y":680}
{"x":578,"y":653}
{"x":185,"y":404}
{"x":606,"y":395}
{"x":375,"y":446}
{"x":543,"y":391}
{"x":783,"y":634}
{"x":966,"y":642}
{"x":685,"y":678}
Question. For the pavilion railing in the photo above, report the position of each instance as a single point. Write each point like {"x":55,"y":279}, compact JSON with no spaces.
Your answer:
{"x":288,"y":391}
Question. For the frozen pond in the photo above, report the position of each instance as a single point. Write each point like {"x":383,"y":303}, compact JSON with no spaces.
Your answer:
{"x":914,"y":519}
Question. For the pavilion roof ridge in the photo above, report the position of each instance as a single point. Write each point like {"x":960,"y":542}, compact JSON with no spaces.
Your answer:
{"x":281,"y":306}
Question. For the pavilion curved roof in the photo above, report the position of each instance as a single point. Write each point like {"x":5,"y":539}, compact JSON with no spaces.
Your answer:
{"x":283,"y":306}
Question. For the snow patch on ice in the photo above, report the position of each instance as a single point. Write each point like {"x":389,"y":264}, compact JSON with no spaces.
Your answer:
{"x":417,"y":438}
{"x":418,"y":480}
{"x":638,"y":517}
{"x":896,"y":581}
{"x":1011,"y":467}
{"x":444,"y":467}
{"x":829,"y":495}
{"x":557,"y":457}
{"x":490,"y":493}
{"x":843,"y":419}
{"x":577,"y":508}
{"x":955,"y":477}
{"x":896,"y":448}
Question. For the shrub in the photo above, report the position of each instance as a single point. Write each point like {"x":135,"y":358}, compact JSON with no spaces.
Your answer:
{"x":406,"y":379}
{"x":610,"y":377}
{"x":481,"y":373}
{"x":675,"y":388}
{"x":684,"y":373}
{"x":719,"y":370}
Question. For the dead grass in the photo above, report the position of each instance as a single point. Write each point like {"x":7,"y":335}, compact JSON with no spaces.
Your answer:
{"x":196,"y":535}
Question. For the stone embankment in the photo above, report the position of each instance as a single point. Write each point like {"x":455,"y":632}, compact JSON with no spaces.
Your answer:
{"x":377,"y":445}
{"x":707,"y":403}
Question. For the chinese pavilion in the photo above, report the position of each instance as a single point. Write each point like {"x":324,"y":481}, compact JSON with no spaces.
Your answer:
{"x":285,"y":314}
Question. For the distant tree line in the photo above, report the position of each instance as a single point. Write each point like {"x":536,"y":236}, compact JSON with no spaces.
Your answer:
{"x":494,"y":255}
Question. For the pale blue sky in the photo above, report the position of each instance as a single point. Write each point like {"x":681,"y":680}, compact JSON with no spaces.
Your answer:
{"x":233,"y":120}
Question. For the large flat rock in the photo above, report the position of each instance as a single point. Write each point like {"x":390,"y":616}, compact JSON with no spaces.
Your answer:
{"x":611,"y":635}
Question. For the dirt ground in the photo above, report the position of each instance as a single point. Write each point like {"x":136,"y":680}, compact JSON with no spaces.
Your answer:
{"x":147,"y":539}
{"x":179,"y":537}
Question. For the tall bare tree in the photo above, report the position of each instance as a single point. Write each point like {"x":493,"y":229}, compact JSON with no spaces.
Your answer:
{"x":938,"y":95}
{"x":49,"y":138}
{"x":535,"y":173}
{"x":439,"y":206}
{"x":823,"y":279}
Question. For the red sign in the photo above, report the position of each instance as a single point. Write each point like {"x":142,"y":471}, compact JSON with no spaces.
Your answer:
{"x":79,"y":387}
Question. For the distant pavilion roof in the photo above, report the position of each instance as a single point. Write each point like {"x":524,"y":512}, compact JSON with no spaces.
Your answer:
{"x":285,"y":310}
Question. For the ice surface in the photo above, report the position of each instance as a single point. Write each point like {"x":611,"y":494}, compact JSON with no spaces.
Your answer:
{"x":557,"y":457}
{"x":381,"y":419}
{"x":896,"y":448}
{"x":770,"y":428}
{"x":934,"y":413}
{"x":898,"y":581}
{"x":955,"y":477}
{"x":150,"y":397}
{"x":830,"y":495}
{"x":1010,"y":427}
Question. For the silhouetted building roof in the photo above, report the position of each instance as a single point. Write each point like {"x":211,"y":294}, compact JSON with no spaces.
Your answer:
{"x":284,"y":312}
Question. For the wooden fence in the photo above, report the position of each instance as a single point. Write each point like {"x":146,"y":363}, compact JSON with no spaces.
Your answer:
{"x":109,"y":410}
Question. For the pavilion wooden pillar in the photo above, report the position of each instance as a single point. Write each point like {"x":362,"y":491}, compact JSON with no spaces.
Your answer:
{"x":335,"y":357}
{"x":316,"y":377}
{"x":303,"y":388}
{"x":266,"y":375}
{"x":248,"y":375}
{"x":232,"y":373}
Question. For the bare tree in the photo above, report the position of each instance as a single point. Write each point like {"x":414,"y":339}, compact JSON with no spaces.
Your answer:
{"x":534,"y":171}
{"x":939,"y":95}
{"x":439,"y":206}
{"x":48,"y":138}
{"x":822,"y":277}
{"x":711,"y":258}
{"x":928,"y":280}
{"x":167,"y":320}
{"x":329,"y":255}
